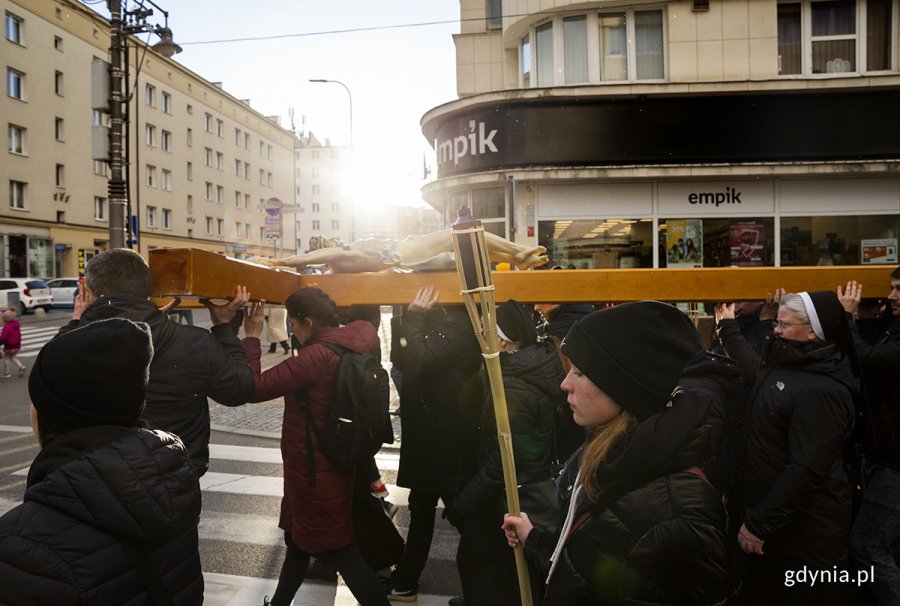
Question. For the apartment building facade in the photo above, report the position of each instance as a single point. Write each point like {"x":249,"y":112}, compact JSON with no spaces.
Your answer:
{"x":677,"y":133}
{"x":324,"y":206}
{"x":203,"y":164}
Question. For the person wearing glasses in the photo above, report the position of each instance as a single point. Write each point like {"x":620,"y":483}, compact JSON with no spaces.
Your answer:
{"x":793,"y":492}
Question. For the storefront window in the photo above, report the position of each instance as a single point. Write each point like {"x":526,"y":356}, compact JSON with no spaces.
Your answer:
{"x":40,"y":258}
{"x":724,"y":242}
{"x":598,"y":244}
{"x":854,"y":240}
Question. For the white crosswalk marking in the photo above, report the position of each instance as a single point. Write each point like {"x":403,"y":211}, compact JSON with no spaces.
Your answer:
{"x":34,"y":337}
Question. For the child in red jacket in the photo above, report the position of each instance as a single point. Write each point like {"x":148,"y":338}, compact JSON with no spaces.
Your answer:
{"x":11,"y":339}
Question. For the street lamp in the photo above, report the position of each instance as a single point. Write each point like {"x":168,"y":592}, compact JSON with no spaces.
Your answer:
{"x":349,"y":97}
{"x":134,"y":22}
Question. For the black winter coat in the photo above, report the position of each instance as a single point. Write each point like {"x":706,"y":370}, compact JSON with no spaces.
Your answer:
{"x":656,"y":534}
{"x":189,"y":364}
{"x":880,"y":362}
{"x":90,"y":490}
{"x":440,"y":398}
{"x":531,"y":379}
{"x":794,"y":490}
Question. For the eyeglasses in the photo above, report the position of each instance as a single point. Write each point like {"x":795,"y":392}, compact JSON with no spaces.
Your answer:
{"x":783,"y":325}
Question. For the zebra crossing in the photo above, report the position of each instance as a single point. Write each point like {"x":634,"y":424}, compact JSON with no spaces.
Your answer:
{"x":240,"y":516}
{"x":34,"y":337}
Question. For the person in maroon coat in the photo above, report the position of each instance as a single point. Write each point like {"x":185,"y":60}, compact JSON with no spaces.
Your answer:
{"x":315,"y":512}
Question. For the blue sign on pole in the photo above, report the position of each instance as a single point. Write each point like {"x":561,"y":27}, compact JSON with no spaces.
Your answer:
{"x":134,"y":230}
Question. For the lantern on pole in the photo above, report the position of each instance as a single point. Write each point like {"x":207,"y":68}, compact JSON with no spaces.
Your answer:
{"x":477,"y":289}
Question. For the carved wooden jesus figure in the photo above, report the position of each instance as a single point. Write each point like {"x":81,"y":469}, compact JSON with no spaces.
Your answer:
{"x":428,"y":252}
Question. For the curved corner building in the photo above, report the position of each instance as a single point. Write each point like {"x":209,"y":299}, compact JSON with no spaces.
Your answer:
{"x":677,"y":134}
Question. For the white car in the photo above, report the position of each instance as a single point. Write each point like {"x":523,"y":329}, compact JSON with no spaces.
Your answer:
{"x":33,"y":293}
{"x":63,"y":291}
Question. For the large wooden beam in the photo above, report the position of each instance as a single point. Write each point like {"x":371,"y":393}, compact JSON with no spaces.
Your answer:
{"x":197,"y":273}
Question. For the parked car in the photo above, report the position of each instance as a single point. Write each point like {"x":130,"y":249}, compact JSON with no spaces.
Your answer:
{"x":63,"y":291}
{"x":33,"y":293}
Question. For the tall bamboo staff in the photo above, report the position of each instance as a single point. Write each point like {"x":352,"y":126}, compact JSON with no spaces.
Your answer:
{"x":474,"y":270}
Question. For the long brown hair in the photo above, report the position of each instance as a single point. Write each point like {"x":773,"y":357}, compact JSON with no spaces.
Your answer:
{"x":602,"y":439}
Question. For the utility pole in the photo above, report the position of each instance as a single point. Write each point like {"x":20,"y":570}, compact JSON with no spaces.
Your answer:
{"x":117,"y":193}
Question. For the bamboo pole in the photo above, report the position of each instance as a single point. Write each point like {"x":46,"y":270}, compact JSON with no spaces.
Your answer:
{"x":477,"y":290}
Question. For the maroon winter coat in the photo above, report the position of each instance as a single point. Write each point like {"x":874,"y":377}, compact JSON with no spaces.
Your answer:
{"x":318,"y":517}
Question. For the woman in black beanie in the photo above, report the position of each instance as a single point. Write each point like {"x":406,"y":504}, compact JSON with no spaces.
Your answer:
{"x":641,"y":523}
{"x":793,"y":493}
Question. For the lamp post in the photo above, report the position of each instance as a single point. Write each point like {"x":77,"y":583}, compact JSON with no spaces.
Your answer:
{"x":349,"y":97}
{"x":119,"y":97}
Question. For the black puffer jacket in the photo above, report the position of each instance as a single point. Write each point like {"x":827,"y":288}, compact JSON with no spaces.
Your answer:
{"x":440,"y":398}
{"x":657,"y":531}
{"x":880,"y":362}
{"x":189,"y":364}
{"x":531,"y":379}
{"x":794,"y":491}
{"x":90,"y":490}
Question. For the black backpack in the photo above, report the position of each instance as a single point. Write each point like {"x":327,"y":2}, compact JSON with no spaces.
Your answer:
{"x":360,"y":421}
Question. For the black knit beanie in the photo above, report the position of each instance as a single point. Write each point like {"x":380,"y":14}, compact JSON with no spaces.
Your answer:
{"x":516,"y":324}
{"x":634,"y":352}
{"x":97,"y":372}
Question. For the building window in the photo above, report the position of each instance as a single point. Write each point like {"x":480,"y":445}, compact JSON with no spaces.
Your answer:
{"x":237,"y":167}
{"x":247,"y":231}
{"x":494,"y":14}
{"x":262,"y":149}
{"x":166,"y":180}
{"x":167,"y":103}
{"x":220,"y":160}
{"x":629,"y":46}
{"x":269,"y":152}
{"x":335,"y":224}
{"x":269,"y":179}
{"x":827,"y":37}
{"x":58,"y":43}
{"x":220,"y":194}
{"x":167,"y":218}
{"x":15,"y":83}
{"x":220,"y":129}
{"x":207,"y":122}
{"x":315,"y":155}
{"x":209,"y":191}
{"x":262,"y":177}
{"x":16,"y":139}
{"x":237,"y":199}
{"x":220,"y":227}
{"x":596,"y":243}
{"x":58,"y":83}
{"x":209,"y":225}
{"x":97,"y":118}
{"x":150,"y":95}
{"x":247,"y":203}
{"x":315,"y":224}
{"x":189,"y":109}
{"x":59,"y":130}
{"x":837,"y":240}
{"x":315,"y":172}
{"x":99,"y":208}
{"x":166,"y":141}
{"x":190,"y":171}
{"x":151,"y":175}
{"x":14,"y":27}
{"x":237,"y":230}
{"x":17,"y":195}
{"x":60,"y":175}
{"x":335,"y":207}
{"x":208,"y":156}
{"x":100,"y":168}
{"x":190,"y":204}
{"x":190,"y":137}
{"x":315,"y":207}
{"x":247,"y":141}
{"x":150,"y":135}
{"x":151,"y":216}
{"x":246,"y":170}
{"x":315,"y":190}
{"x":237,"y":136}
